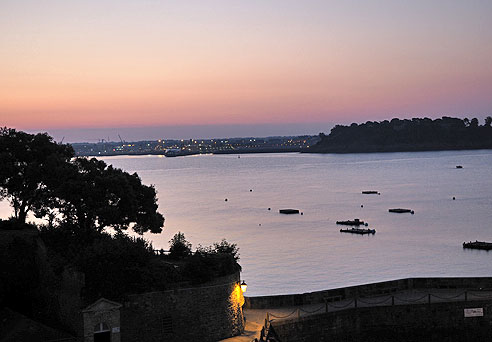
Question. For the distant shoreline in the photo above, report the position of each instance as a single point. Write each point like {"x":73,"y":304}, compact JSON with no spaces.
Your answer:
{"x":289,"y":151}
{"x":417,"y":134}
{"x":183,"y":154}
{"x":394,"y":150}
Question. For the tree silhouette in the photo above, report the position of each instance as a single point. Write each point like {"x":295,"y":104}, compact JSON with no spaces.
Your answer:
{"x":418,"y":134}
{"x":38,"y":175}
{"x":95,"y":195}
{"x":179,"y":247}
{"x":27,"y":161}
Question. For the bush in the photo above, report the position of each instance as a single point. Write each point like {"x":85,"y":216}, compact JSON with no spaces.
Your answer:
{"x":113,"y":265}
{"x":209,"y":262}
{"x":19,"y":275}
{"x":224,"y":247}
{"x":13,"y":224}
{"x":179,"y":246}
{"x":203,"y":267}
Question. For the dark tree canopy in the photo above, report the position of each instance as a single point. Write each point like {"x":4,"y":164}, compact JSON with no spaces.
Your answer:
{"x":488,"y":121}
{"x":418,"y":134}
{"x":179,"y":247}
{"x":41,"y":176}
{"x":26,"y":163}
{"x":94,"y":194}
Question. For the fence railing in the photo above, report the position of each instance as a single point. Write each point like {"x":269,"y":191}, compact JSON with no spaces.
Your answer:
{"x":387,"y":300}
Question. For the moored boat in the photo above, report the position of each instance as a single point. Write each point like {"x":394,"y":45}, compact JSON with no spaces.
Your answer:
{"x":289,"y":211}
{"x":360,"y":231}
{"x":478,"y":245}
{"x":355,"y":222}
{"x":401,"y":210}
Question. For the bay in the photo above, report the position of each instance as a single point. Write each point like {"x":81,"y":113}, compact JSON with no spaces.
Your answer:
{"x":283,"y":254}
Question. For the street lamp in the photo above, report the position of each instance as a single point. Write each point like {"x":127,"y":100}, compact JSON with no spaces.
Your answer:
{"x":244,"y":286}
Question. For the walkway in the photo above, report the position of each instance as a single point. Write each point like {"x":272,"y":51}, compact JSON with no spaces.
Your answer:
{"x":255,"y":318}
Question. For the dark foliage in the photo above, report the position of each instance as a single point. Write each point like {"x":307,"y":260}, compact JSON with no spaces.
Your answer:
{"x":224,"y":247}
{"x":27,"y":163}
{"x":40,"y":176}
{"x":113,"y":265}
{"x":81,"y":198}
{"x":19,"y":276}
{"x":208,"y":262}
{"x":13,"y":224}
{"x":96,"y":195}
{"x":203,"y":267}
{"x":179,"y":247}
{"x":407,"y":135}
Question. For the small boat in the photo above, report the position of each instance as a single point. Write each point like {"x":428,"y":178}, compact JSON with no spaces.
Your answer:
{"x":289,"y":211}
{"x":360,"y":231}
{"x":370,"y":192}
{"x":355,"y":222}
{"x":459,"y":166}
{"x":400,"y":210}
{"x":478,"y":245}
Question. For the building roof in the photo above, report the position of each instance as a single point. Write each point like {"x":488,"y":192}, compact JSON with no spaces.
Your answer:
{"x":102,"y":304}
{"x":16,"y":327}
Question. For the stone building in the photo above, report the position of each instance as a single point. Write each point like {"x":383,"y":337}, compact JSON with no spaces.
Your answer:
{"x":209,"y":312}
{"x":102,"y":321}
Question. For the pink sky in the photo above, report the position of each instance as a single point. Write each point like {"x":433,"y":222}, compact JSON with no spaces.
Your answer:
{"x":147,"y":63}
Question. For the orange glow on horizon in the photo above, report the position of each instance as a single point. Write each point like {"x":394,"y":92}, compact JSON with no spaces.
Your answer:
{"x":70,"y":65}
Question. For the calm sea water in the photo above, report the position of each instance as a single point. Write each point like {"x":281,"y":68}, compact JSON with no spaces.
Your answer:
{"x":296,"y":253}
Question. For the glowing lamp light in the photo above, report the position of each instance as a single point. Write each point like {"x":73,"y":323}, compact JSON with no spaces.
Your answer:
{"x":244,"y":286}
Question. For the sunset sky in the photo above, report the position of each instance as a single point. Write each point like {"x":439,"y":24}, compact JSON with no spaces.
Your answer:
{"x":74,"y":66}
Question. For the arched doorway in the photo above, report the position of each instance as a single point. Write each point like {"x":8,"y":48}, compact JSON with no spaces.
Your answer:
{"x":102,"y":333}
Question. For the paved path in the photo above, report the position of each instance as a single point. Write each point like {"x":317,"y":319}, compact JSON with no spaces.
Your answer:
{"x":255,"y":318}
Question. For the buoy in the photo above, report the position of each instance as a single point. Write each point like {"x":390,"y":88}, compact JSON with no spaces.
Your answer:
{"x":454,"y":198}
{"x":250,"y":190}
{"x":412,"y":212}
{"x":269,"y":208}
{"x":366,"y":224}
{"x":225,"y":200}
{"x":362,"y":206}
{"x":259,"y":224}
{"x":379,"y":193}
{"x":302,"y":213}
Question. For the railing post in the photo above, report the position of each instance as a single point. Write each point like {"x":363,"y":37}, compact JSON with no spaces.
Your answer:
{"x":355,"y":302}
{"x":429,"y":298}
{"x":298,"y":313}
{"x":392,"y":300}
{"x":466,"y":296}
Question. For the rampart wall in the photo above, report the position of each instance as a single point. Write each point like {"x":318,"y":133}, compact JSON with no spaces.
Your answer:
{"x":380,"y":288}
{"x":405,"y":323}
{"x":204,"y":313}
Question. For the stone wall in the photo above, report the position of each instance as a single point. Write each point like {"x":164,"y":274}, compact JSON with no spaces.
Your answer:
{"x":379,"y":288}
{"x":206,"y":313}
{"x":69,"y":300}
{"x":407,"y":323}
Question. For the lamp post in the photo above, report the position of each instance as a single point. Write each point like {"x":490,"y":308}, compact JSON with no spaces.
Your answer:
{"x":244,"y":286}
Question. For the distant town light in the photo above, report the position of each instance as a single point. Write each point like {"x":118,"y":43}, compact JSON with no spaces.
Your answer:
{"x":244,"y":286}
